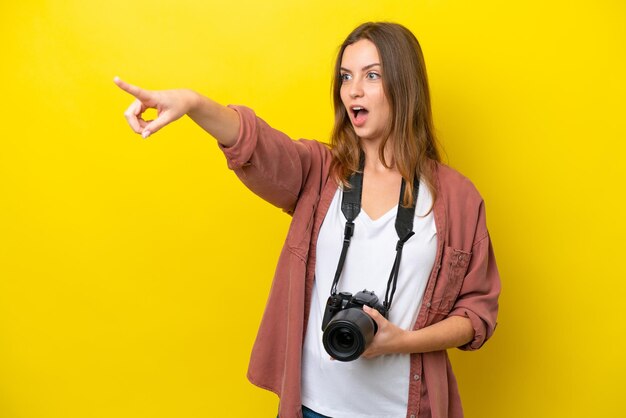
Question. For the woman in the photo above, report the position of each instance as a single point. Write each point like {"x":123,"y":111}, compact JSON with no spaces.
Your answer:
{"x":445,"y":290}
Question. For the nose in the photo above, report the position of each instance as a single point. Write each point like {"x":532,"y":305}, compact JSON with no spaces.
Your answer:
{"x":356,"y":89}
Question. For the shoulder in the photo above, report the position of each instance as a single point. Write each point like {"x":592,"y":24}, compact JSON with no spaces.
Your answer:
{"x":460,"y":207}
{"x":454,"y":186}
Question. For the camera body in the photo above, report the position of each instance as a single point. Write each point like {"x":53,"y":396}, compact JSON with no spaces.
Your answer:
{"x":348,"y":330}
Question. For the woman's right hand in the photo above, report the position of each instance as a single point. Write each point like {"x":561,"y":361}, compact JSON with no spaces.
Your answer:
{"x":219,"y":121}
{"x":169,"y":104}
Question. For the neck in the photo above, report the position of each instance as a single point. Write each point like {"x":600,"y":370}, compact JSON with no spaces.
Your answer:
{"x":372,"y":158}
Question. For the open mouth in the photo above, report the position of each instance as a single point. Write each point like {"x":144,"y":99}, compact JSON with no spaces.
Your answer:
{"x":359,"y":114}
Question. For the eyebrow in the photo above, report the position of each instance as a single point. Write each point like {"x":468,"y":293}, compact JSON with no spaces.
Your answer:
{"x":367,"y":67}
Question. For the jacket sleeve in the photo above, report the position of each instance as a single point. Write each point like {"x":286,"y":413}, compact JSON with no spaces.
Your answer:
{"x":478,"y":297}
{"x":268,"y":162}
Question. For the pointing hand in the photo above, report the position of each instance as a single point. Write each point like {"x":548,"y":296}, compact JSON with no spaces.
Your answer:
{"x":169,"y":104}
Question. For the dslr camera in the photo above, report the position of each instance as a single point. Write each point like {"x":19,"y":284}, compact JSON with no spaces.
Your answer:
{"x":347,"y":329}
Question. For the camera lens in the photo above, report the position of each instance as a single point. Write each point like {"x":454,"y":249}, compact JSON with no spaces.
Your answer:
{"x":343,"y":338}
{"x":348,"y":334}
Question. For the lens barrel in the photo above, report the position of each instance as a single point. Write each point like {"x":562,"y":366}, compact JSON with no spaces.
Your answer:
{"x":348,"y":334}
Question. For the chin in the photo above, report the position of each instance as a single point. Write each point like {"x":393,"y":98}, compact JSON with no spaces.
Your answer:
{"x":365,"y":134}
{"x":361,"y":132}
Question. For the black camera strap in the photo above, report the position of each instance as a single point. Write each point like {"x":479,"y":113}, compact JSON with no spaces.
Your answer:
{"x":404,"y":229}
{"x":351,"y":207}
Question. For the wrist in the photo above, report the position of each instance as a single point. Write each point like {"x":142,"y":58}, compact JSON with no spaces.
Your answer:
{"x":402,"y":342}
{"x":410,"y":342}
{"x":193,"y":100}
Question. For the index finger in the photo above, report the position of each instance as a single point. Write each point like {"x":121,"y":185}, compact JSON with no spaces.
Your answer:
{"x":138,"y":92}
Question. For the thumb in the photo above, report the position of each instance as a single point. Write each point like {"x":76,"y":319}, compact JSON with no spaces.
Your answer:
{"x":154,"y":126}
{"x":372,"y":312}
{"x":376,"y":316}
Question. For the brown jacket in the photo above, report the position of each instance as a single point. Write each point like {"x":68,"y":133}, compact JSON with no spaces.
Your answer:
{"x":294,"y":175}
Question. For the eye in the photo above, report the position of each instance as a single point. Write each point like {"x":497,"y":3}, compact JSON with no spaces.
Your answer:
{"x":373,"y":75}
{"x":345,"y":77}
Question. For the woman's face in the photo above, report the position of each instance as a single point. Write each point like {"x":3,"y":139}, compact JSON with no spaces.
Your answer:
{"x":362,"y":90}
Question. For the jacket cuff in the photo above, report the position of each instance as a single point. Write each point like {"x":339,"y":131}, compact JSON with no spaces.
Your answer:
{"x":480,"y":330}
{"x":240,"y":153}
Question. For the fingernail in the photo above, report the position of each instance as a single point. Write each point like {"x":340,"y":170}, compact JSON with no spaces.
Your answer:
{"x":116,"y":79}
{"x":145,"y":134}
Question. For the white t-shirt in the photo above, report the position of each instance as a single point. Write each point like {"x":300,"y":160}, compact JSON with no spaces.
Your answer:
{"x":378,"y":387}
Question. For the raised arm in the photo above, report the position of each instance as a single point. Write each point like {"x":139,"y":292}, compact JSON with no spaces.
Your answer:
{"x":219,"y":121}
{"x":266,"y":160}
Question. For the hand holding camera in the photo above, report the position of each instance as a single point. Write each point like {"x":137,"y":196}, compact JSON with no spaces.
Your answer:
{"x":348,"y":330}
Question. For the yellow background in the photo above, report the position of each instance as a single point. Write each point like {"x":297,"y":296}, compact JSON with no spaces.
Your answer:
{"x":133,"y":273}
